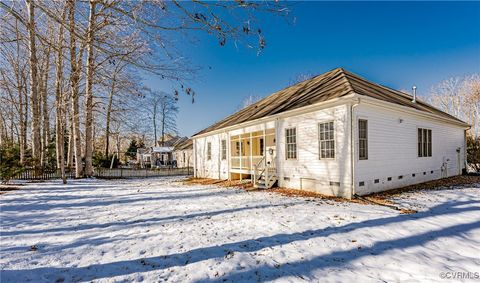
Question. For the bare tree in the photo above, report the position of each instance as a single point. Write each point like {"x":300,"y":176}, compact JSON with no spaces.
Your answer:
{"x":249,"y":100}
{"x":34,"y":101}
{"x":89,"y":90}
{"x":300,"y":78}
{"x":138,"y":36}
{"x":460,"y":97}
{"x":60,"y":103}
{"x":75,"y":71}
{"x":162,"y":111}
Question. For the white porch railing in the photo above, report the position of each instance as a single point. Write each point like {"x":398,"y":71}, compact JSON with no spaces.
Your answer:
{"x":244,"y":162}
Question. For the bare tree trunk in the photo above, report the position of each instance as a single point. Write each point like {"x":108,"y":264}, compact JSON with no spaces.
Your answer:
{"x":70,"y":142}
{"x":155,"y":124}
{"x":3,"y":130}
{"x":89,"y":92}
{"x":59,"y":104}
{"x":74,"y":80}
{"x":163,"y":126}
{"x":24,"y":126}
{"x":45,"y":114}
{"x":109,"y":110}
{"x":22,"y":104}
{"x":36,"y":144}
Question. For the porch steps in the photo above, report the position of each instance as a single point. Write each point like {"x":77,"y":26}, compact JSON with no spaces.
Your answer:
{"x":264,"y":174}
{"x":263,"y":184}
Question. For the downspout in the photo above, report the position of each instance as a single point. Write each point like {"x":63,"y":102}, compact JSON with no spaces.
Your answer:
{"x":352,"y":146}
{"x":465,"y":162}
{"x":229,"y":154}
{"x":219,"y":155}
{"x":195,"y":167}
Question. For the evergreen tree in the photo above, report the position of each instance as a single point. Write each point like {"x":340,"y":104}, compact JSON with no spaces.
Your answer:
{"x":9,"y":162}
{"x":132,"y":149}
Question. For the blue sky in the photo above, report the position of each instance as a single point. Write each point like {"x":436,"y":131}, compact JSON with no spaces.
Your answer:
{"x":397,"y":44}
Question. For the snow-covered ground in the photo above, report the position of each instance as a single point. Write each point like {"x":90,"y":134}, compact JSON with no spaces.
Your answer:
{"x":156,"y":230}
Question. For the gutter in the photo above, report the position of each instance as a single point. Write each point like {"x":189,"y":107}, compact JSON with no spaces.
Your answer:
{"x":298,"y":111}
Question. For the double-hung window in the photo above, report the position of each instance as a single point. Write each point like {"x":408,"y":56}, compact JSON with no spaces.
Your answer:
{"x":424,"y":142}
{"x":209,"y":151}
{"x":224,"y":149}
{"x":362,"y":139}
{"x":326,"y":140}
{"x":291,"y":143}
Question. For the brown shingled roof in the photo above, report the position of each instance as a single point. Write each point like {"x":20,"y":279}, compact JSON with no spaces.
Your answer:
{"x":333,"y":84}
{"x":185,"y":144}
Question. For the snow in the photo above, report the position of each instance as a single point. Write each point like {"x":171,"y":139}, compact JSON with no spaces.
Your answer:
{"x":156,"y":230}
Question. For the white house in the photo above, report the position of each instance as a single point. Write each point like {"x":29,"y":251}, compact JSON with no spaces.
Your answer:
{"x":337,"y":134}
{"x":155,"y":157}
{"x":183,"y":154}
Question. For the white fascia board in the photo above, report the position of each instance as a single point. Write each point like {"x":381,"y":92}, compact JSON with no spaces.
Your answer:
{"x":410,"y":110}
{"x":306,"y":109}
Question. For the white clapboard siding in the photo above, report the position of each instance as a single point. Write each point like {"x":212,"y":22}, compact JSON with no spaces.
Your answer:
{"x":392,"y":149}
{"x":181,"y":161}
{"x":308,"y":171}
{"x":215,"y":167}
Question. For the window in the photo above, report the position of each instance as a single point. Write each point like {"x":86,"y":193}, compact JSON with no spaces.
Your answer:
{"x":362,"y":139}
{"x":184,"y":157}
{"x":261,"y":147}
{"x":424,"y":142}
{"x":291,"y":143}
{"x":326,"y":140}
{"x":209,"y":151}
{"x":224,"y":149}
{"x":237,"y":148}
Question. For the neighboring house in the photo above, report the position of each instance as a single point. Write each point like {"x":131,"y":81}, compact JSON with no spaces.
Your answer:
{"x":183,"y":154}
{"x":159,"y":156}
{"x":337,"y":134}
{"x":144,"y":157}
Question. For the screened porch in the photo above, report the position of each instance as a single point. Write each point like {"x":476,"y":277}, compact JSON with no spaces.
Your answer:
{"x":248,"y":149}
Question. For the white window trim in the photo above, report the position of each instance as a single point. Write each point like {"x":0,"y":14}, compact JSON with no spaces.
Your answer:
{"x":358,"y":138}
{"x":209,"y":152}
{"x":221,"y":149}
{"x":416,"y":135}
{"x":296,"y":143}
{"x":334,"y":140}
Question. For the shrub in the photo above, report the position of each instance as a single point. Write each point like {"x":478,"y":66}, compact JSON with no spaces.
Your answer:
{"x":473,"y":153}
{"x":9,"y":162}
{"x":100,"y":160}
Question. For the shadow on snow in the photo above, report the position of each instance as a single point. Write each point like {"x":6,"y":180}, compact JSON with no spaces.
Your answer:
{"x":300,"y":268}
